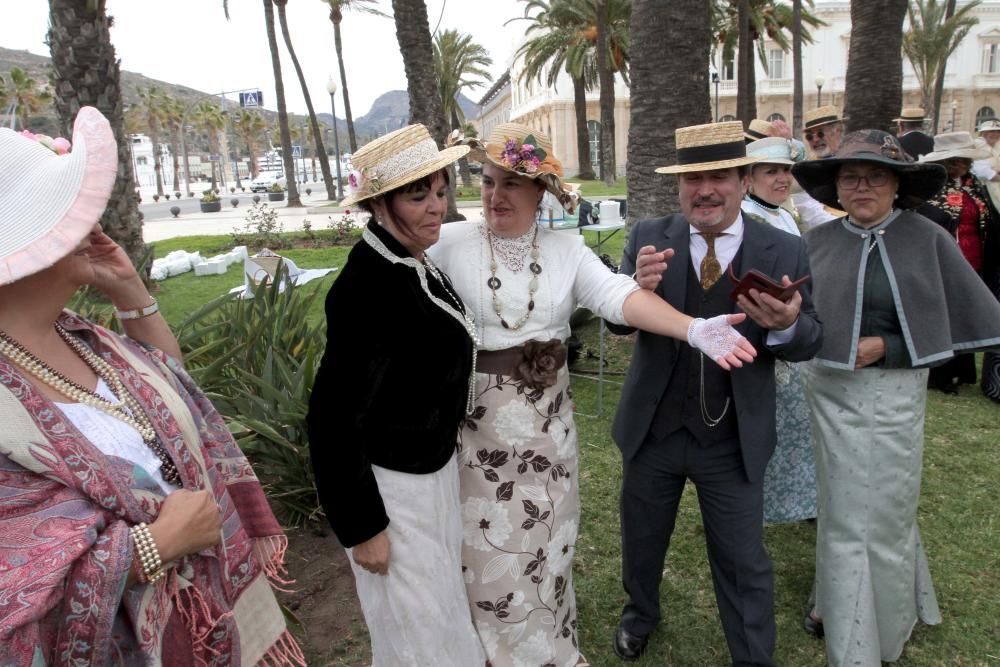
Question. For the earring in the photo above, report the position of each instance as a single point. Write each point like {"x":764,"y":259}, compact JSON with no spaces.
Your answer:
{"x":750,"y":189}
{"x":896,"y":196}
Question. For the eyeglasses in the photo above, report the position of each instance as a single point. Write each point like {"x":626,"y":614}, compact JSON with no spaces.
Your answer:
{"x":874,"y":179}
{"x":818,"y":134}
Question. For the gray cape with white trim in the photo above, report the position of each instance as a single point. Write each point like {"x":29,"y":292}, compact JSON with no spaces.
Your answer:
{"x":942,"y":304}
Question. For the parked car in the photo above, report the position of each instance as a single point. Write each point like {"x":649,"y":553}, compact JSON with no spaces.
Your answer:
{"x":266,"y":180}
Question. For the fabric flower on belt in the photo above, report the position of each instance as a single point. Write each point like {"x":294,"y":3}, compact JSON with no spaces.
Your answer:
{"x":59,"y":145}
{"x":541,"y":363}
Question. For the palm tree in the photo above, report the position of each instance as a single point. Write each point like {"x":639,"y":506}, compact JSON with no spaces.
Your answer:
{"x":151,"y":102}
{"x":414,"y":36}
{"x":740,"y":24}
{"x":874,"y":90}
{"x":797,"y":97}
{"x":337,"y":8}
{"x":459,"y":62}
{"x":331,"y":189}
{"x":279,"y":93}
{"x":249,"y":126}
{"x":208,"y":118}
{"x":667,"y":92}
{"x":25,"y":94}
{"x":86,"y":73}
{"x":173,"y":113}
{"x":558,"y":40}
{"x":933,"y":36}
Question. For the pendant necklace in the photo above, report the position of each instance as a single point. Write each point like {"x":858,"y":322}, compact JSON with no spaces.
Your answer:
{"x":494,"y":283}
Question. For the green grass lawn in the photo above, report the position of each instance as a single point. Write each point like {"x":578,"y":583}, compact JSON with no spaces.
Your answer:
{"x":957,"y":517}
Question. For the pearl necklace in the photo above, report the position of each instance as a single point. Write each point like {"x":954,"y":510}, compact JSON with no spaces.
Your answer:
{"x":470,"y":328}
{"x":127,"y":409}
{"x":494,"y":283}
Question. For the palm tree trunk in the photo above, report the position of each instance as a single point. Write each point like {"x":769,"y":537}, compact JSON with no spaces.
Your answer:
{"x":667,"y":92}
{"x":414,"y":36}
{"x":86,"y":73}
{"x":176,"y":161}
{"x":320,"y":149}
{"x":874,"y":91}
{"x":949,"y":11}
{"x":582,"y":132}
{"x":465,"y":175}
{"x":338,"y":45}
{"x":157,"y":161}
{"x":279,"y":93}
{"x":746,"y":84}
{"x":607,"y":78}
{"x":797,"y":98}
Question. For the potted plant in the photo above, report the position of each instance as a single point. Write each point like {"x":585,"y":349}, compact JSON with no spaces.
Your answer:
{"x":276,"y":193}
{"x":210,"y":202}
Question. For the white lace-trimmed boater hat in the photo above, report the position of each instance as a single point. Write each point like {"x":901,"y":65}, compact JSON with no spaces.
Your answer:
{"x":50,"y":202}
{"x":708,"y":147}
{"x":526,"y":152}
{"x":772,"y":150}
{"x":989,"y":125}
{"x":394,"y":160}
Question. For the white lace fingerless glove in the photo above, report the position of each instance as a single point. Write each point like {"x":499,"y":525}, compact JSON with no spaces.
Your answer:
{"x":714,"y":336}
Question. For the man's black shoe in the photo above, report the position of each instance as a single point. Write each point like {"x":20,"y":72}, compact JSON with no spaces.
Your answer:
{"x":628,"y":646}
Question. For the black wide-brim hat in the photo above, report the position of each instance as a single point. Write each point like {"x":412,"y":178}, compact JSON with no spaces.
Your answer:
{"x":918,"y":181}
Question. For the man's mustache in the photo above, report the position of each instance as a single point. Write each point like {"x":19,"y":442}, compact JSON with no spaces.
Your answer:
{"x":707,"y":201}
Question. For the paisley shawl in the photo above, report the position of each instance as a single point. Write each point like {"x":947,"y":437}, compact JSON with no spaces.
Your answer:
{"x":65,"y":546}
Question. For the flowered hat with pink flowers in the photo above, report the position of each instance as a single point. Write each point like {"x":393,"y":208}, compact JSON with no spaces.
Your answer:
{"x":526,"y":152}
{"x":51,"y":194}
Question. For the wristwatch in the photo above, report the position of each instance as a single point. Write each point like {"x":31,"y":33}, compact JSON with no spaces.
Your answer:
{"x":138,"y":313}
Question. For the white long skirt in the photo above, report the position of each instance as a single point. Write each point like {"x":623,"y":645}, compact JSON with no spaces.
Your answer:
{"x":872,"y":576}
{"x":418,"y":613}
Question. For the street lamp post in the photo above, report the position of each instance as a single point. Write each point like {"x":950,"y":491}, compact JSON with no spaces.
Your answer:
{"x":954,"y":108}
{"x":331,"y":87}
{"x":820,"y":80}
{"x":715,"y":80}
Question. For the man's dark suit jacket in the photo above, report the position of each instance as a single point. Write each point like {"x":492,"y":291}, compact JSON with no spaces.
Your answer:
{"x":917,"y":143}
{"x":764,"y":248}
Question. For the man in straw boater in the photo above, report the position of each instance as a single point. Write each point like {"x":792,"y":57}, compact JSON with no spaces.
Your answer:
{"x":910,"y":132}
{"x":680,"y":419}
{"x":822,"y":129}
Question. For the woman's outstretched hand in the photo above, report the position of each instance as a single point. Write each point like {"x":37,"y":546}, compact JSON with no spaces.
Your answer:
{"x":717,"y":338}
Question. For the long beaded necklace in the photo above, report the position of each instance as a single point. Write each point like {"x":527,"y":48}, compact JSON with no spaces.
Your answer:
{"x":127,"y":409}
{"x":494,"y":283}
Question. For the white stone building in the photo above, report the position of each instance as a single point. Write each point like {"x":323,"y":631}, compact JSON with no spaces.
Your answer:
{"x":971,"y":90}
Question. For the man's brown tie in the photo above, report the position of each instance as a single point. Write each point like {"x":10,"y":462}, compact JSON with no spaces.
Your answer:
{"x":711,"y":270}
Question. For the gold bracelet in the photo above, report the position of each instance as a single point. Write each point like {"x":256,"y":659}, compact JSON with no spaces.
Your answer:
{"x":138,"y":313}
{"x":149,"y":555}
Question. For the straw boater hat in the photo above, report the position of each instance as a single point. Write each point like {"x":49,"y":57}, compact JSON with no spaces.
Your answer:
{"x":989,"y":125}
{"x":821,"y":116}
{"x":49,"y":202}
{"x":526,"y":152}
{"x":758,"y":129}
{"x":911,"y":115}
{"x":955,"y":144}
{"x":395,"y":159}
{"x":917,"y":181}
{"x":772,"y":150}
{"x":707,"y":147}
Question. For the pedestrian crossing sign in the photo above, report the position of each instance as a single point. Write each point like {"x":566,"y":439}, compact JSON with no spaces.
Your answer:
{"x":251,"y":99}
{"x":296,"y":151}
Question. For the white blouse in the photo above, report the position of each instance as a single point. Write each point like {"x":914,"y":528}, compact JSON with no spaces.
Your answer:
{"x":779,"y":218}
{"x":571,"y":275}
{"x":113,"y":436}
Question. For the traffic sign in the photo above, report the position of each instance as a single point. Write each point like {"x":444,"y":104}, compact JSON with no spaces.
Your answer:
{"x":251,"y":99}
{"x":214,"y":157}
{"x":296,"y":151}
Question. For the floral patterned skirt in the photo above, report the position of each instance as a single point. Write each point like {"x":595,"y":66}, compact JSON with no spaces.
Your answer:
{"x":790,"y":478}
{"x":521,"y":510}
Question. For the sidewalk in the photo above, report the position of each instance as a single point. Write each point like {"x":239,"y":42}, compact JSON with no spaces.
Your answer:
{"x":229,"y":218}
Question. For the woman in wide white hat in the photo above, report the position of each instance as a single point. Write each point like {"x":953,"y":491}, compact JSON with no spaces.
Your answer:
{"x":126,"y":508}
{"x":972,"y":219}
{"x":520,"y":473}
{"x":390,"y":394}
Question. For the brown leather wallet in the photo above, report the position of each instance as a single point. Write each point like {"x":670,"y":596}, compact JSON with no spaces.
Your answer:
{"x":754,"y":279}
